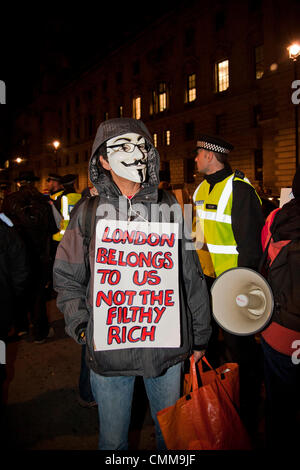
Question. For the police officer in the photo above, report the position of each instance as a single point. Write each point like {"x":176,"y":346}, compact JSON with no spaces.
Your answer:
{"x":228,"y":222}
{"x":54,"y":185}
{"x":65,"y":202}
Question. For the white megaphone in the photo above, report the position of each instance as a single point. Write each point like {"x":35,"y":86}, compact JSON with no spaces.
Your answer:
{"x":242,"y":301}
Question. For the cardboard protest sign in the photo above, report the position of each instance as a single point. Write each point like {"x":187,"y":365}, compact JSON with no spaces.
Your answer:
{"x":136,"y":294}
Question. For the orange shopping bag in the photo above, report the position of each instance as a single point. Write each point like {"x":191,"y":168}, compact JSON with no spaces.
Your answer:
{"x":206,"y":418}
{"x":228,"y":372}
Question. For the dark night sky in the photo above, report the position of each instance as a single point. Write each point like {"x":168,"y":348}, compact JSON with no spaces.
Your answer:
{"x":37,"y":36}
{"x":33,"y":37}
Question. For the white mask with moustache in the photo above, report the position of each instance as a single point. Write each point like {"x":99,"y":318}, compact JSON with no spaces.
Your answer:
{"x":127,"y":156}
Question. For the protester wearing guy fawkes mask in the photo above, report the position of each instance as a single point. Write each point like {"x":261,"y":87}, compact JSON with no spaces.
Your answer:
{"x":125,"y":165}
{"x":127,"y":156}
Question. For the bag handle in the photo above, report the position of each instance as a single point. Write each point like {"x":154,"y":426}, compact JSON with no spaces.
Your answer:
{"x":194,"y":381}
{"x":219,"y":380}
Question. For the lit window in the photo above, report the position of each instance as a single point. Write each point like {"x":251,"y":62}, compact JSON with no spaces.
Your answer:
{"x":191,"y":88}
{"x":162,"y":96}
{"x":120,"y":111}
{"x":137,"y":107}
{"x":159,"y":99}
{"x":222,"y":76}
{"x":168,"y":137}
{"x":259,"y":62}
{"x":155,"y":139}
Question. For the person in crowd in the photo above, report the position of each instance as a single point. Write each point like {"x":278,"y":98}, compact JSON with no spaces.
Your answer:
{"x":124,"y":168}
{"x":228,"y":222}
{"x":281,"y":339}
{"x":32,"y":217}
{"x":14,"y":273}
{"x":65,"y":203}
{"x":55,"y":187}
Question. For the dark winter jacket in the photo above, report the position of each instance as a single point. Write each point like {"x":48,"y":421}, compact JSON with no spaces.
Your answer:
{"x":283,"y":274}
{"x":14,"y":272}
{"x":33,"y":219}
{"x":75,"y":287}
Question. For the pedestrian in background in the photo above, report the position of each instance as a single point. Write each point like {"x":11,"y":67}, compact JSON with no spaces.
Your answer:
{"x":54,"y":185}
{"x":228,"y":222}
{"x":14,"y":275}
{"x":281,"y":339}
{"x":32,"y":217}
{"x":65,"y":203}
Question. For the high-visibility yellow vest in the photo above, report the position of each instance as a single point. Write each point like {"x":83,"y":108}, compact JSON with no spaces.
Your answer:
{"x":56,"y":195}
{"x":68,"y":202}
{"x":215,"y":242}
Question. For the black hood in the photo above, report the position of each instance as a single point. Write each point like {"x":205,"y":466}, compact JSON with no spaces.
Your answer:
{"x":286,"y":224}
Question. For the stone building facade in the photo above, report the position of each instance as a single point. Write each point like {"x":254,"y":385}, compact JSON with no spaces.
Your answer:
{"x":209,"y":67}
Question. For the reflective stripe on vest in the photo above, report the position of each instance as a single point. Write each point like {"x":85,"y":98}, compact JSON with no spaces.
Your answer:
{"x":226,"y":249}
{"x":67,"y":203}
{"x":65,"y":208}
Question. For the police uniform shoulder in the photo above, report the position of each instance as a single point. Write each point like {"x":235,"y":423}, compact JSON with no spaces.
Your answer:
{"x":239,"y":174}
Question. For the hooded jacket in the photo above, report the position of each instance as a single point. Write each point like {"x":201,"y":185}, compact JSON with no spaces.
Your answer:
{"x":74,"y":283}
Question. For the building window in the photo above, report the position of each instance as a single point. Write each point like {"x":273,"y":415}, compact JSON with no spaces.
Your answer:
{"x":221,"y":76}
{"x":256,"y":115}
{"x":137,"y":107}
{"x":119,"y":77}
{"x":258,"y":164}
{"x":162,"y":96}
{"x":167,"y":137}
{"x":220,"y":123}
{"x":136,"y":67}
{"x":78,"y":129}
{"x":259,"y":62}
{"x":189,"y":130}
{"x":189,"y":37}
{"x":190,"y":94}
{"x":91,"y":125}
{"x":155,"y":139}
{"x":153,"y":103}
{"x":67,"y":160}
{"x":120,"y":111}
{"x":76,"y":158}
{"x":105,"y":116}
{"x":159,"y":99}
{"x":220,"y":20}
{"x":86,"y":156}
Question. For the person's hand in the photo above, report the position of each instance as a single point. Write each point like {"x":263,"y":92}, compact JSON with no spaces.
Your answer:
{"x":198,"y":355}
{"x":93,"y":191}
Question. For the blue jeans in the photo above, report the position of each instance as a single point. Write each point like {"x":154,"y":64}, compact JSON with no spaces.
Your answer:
{"x":114,"y":398}
{"x":84,"y":383}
